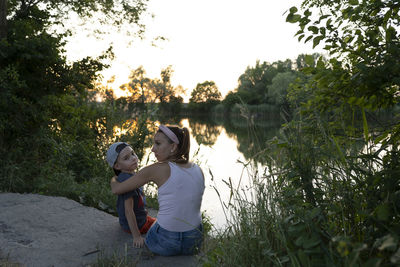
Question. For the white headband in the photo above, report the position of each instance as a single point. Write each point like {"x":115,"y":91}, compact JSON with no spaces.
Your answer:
{"x":170,"y":134}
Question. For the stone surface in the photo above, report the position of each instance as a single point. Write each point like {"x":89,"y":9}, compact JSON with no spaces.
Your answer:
{"x":38,"y":230}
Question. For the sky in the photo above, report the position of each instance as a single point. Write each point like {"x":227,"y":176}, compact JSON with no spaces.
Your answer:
{"x":208,"y":40}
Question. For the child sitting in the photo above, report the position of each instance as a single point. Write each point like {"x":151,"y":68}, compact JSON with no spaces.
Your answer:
{"x":131,"y":210}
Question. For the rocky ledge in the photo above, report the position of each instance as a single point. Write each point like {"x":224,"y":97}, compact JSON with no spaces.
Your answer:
{"x":37,"y":230}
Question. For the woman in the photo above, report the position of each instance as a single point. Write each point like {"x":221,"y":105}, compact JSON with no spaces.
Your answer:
{"x":178,"y":229}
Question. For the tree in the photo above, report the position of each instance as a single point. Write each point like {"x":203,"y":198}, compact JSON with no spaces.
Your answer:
{"x":204,"y":97}
{"x":206,"y":92}
{"x":277,"y":91}
{"x":162,"y":88}
{"x":254,"y":82}
{"x":138,"y":85}
{"x":304,"y":60}
{"x":362,"y":39}
{"x":45,"y":100}
{"x":115,"y":13}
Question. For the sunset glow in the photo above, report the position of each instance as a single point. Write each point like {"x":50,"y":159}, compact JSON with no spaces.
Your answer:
{"x":205,"y":41}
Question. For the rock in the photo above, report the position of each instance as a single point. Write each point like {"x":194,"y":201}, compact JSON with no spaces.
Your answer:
{"x":37,"y":230}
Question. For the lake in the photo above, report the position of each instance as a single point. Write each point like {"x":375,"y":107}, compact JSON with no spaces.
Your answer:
{"x":222,"y":150}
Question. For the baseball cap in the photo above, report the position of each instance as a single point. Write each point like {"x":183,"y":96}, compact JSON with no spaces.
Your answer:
{"x":113,"y":152}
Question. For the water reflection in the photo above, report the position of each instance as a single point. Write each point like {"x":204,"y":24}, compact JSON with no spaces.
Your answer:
{"x":204,"y":134}
{"x":250,"y":136}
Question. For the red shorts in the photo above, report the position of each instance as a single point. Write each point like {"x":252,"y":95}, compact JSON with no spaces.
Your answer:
{"x":146,"y":226}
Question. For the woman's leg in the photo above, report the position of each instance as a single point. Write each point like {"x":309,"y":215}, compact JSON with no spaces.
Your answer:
{"x":163,"y":242}
{"x":192,"y":240}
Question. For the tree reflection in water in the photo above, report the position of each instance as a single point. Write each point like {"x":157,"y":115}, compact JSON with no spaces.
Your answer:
{"x":205,"y":134}
{"x":251,"y":137}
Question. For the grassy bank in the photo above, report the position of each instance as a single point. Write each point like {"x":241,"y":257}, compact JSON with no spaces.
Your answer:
{"x":324,"y":200}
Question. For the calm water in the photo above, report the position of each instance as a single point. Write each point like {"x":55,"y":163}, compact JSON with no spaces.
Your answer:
{"x":222,"y":152}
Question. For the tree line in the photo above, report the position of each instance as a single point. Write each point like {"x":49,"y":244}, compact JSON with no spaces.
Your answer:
{"x":262,"y":84}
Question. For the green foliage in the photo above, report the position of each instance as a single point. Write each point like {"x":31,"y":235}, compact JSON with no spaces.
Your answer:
{"x":277,"y":91}
{"x":53,"y":135}
{"x":204,"y":97}
{"x":115,"y":13}
{"x":365,"y":37}
{"x":329,"y":196}
{"x":230,"y":100}
{"x":254,"y":84}
{"x":317,"y":204}
{"x":206,"y":92}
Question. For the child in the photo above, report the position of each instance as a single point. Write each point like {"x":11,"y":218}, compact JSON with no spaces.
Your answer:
{"x":131,"y":210}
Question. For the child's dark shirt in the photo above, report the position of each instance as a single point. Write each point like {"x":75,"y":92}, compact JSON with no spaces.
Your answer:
{"x":138,"y":207}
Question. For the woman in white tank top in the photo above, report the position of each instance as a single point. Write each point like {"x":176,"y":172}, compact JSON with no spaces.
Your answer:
{"x":178,"y":229}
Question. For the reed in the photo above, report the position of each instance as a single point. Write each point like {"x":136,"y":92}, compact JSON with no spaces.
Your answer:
{"x":323,"y":200}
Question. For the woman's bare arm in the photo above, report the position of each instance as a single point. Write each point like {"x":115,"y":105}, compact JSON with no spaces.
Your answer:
{"x":157,"y":172}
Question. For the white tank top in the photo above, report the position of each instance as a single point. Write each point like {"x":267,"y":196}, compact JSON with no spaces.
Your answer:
{"x":180,"y":199}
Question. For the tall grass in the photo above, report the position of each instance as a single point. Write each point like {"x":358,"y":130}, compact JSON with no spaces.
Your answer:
{"x":324,"y":200}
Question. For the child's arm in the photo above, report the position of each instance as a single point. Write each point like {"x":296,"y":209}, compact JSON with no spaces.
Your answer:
{"x":138,"y":240}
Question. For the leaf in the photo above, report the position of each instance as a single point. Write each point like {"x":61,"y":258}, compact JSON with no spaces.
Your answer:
{"x":315,"y":212}
{"x":381,"y":137}
{"x":293,"y":9}
{"x":342,"y":157}
{"x":305,"y":261}
{"x":352,"y":100}
{"x":293,"y":18}
{"x":390,"y":33}
{"x":299,"y":32}
{"x":320,"y":63}
{"x":387,"y":16}
{"x":309,"y":60}
{"x":308,"y":39}
{"x":307,"y":13}
{"x":313,"y":29}
{"x":317,"y":40}
{"x":312,"y":242}
{"x":299,"y":241}
{"x":382,"y":212}
{"x":365,"y":125}
{"x":353,"y":2}
{"x":328,"y":23}
{"x":282,"y":144}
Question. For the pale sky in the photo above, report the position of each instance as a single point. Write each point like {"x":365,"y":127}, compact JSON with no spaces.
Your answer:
{"x":208,"y":40}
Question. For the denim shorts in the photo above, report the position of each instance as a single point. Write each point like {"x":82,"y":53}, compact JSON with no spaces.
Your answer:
{"x":167,"y":243}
